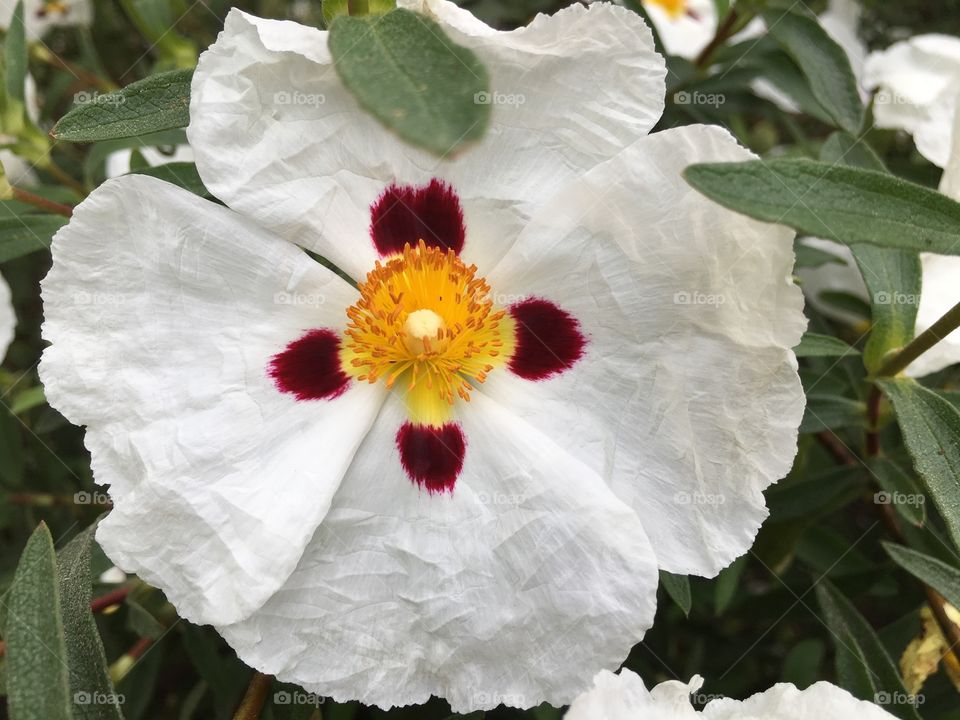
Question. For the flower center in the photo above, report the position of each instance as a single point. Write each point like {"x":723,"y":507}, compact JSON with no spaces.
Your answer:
{"x":674,"y":8}
{"x":426,"y":325}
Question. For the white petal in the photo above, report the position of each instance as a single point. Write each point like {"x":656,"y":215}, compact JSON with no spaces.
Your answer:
{"x":918,"y":83}
{"x":688,"y":401}
{"x":686,"y":35}
{"x":841,"y":277}
{"x":821,"y":701}
{"x":516,"y":588}
{"x":279,"y":138}
{"x":118,"y":163}
{"x":624,"y":697}
{"x":163,"y":311}
{"x":8,"y":320}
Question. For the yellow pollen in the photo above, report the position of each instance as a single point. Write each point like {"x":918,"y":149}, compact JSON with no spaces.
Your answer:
{"x":426,"y":326}
{"x":674,"y":8}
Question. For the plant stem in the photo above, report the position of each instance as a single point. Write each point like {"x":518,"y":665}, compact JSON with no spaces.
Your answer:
{"x":114,"y":597}
{"x":873,"y":419}
{"x":25,"y":196}
{"x":724,"y":31}
{"x":921,"y":343}
{"x":64,"y":177}
{"x":254,"y":698}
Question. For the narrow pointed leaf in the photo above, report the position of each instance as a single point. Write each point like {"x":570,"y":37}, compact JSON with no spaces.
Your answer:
{"x":815,"y":345}
{"x":943,"y":578}
{"x":678,"y":588}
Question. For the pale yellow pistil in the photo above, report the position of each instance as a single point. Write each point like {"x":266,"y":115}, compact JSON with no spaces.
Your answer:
{"x":426,"y":325}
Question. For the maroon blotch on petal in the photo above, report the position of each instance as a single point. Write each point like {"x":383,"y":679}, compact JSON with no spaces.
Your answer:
{"x":309,"y":368}
{"x":548,"y":339}
{"x":405,"y":214}
{"x":432,"y":456}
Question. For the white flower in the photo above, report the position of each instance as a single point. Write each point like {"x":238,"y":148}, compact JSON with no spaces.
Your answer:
{"x":685,"y":26}
{"x":283,"y":455}
{"x":624,"y":697}
{"x":938,"y":288}
{"x":118,"y":162}
{"x":918,"y":83}
{"x":8,"y":319}
{"x":39,"y":16}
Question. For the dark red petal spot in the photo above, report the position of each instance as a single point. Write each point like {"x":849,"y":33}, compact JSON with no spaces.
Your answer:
{"x":432,"y":456}
{"x":406,"y":214}
{"x":310,"y":368}
{"x":548,"y":339}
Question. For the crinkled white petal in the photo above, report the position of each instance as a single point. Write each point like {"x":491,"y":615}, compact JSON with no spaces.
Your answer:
{"x":820,"y":701}
{"x":8,"y":319}
{"x":918,"y":83}
{"x":842,"y":277}
{"x":37,"y":20}
{"x":118,"y":163}
{"x":516,"y":588}
{"x":687,"y":401}
{"x":688,"y":34}
{"x":279,"y":138}
{"x":624,"y":697}
{"x":163,"y":311}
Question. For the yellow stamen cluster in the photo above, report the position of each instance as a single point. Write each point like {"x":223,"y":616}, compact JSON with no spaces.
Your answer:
{"x":674,"y":8}
{"x":425,"y":323}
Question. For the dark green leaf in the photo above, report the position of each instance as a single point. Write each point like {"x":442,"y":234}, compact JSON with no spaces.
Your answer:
{"x":27,"y":233}
{"x":92,"y":692}
{"x":829,"y":412}
{"x":815,"y":345}
{"x":931,"y":430}
{"x":824,"y":64}
{"x":857,"y":641}
{"x":943,"y":578}
{"x":844,"y":149}
{"x":38,"y":683}
{"x":802,"y":664}
{"x":678,"y":588}
{"x":404,"y":69}
{"x":900,"y":490}
{"x":159,"y":102}
{"x":845,"y":204}
{"x":782,"y":72}
{"x":726,"y":584}
{"x":15,"y":57}
{"x":811,"y":257}
{"x":182,"y":174}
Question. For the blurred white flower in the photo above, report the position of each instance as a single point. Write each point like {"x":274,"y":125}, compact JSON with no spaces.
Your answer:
{"x":8,"y":319}
{"x":41,"y":15}
{"x":294,"y":460}
{"x":624,"y":697}
{"x":917,"y":84}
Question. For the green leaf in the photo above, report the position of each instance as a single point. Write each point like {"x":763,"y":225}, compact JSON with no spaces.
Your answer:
{"x":931,"y":431}
{"x":860,"y":654}
{"x":845,"y":204}
{"x":824,"y":64}
{"x":779,"y":69}
{"x":830,"y":412}
{"x":845,"y":149}
{"x":414,"y":79}
{"x":182,"y":174}
{"x":92,"y":692}
{"x":801,"y":666}
{"x":815,"y":345}
{"x":159,"y":102}
{"x":28,"y":399}
{"x":811,"y":257}
{"x":943,"y":578}
{"x":15,"y":58}
{"x":727,"y":583}
{"x":26,"y":234}
{"x":678,"y":588}
{"x":38,"y":683}
{"x":899,"y":489}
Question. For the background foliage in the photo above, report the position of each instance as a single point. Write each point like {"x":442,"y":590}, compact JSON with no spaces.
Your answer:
{"x":822,"y":595}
